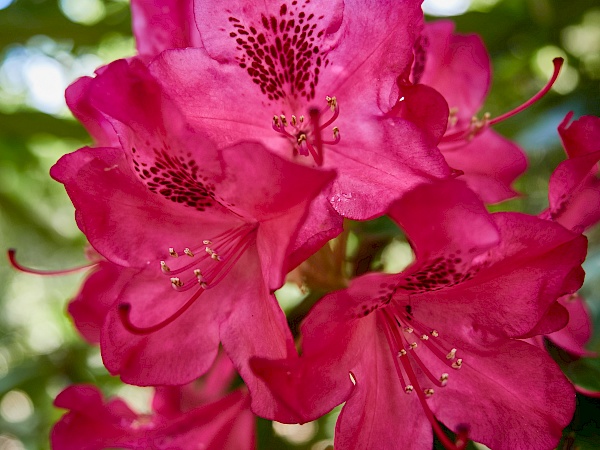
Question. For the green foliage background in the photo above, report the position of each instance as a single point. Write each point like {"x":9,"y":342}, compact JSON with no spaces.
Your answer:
{"x":40,"y":353}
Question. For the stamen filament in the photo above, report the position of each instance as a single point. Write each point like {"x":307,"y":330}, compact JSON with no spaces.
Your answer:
{"x":13,"y":262}
{"x":125,"y":310}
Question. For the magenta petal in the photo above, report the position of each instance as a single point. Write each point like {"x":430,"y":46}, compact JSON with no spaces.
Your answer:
{"x":379,"y":414}
{"x":578,"y":331}
{"x":256,"y":328}
{"x":456,"y":60}
{"x":97,"y":295}
{"x":164,"y":24}
{"x":555,"y":318}
{"x":177,"y":353}
{"x":445,"y":217}
{"x":111,"y":206}
{"x":580,"y":137}
{"x":79,"y":102}
{"x":506,"y":403}
{"x":490,"y":164}
{"x":394,"y":156}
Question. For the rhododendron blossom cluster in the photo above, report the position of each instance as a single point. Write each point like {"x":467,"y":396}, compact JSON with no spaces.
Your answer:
{"x":235,"y":147}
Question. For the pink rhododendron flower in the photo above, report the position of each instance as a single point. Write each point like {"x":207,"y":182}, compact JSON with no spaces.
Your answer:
{"x":458,"y":66}
{"x":315,"y":81}
{"x":574,"y":189}
{"x":198,"y":415}
{"x":198,"y":236}
{"x":439,"y":341}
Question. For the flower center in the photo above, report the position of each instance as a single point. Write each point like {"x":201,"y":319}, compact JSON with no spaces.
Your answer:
{"x":306,"y":135}
{"x":207,"y":264}
{"x":407,"y":339}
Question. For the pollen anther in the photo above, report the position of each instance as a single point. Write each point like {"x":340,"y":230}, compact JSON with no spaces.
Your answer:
{"x":428,"y":392}
{"x":413,"y":345}
{"x":408,"y":329}
{"x":402,"y":352}
{"x":173,"y":253}
{"x":434,"y":333}
{"x":176,"y":282}
{"x":457,"y":364}
{"x":424,"y":337}
{"x":164,"y":267}
{"x":444,"y":379}
{"x":409,"y":388}
{"x":188,"y":252}
{"x":452,"y":354}
{"x":207,"y":242}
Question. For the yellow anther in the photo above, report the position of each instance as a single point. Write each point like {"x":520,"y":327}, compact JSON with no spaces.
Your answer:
{"x":208,"y":250}
{"x":198,"y":272}
{"x":301,"y":138}
{"x":336,"y":132}
{"x":164,"y":267}
{"x":215,"y":257}
{"x":173,"y":253}
{"x":452,"y":354}
{"x":408,"y":329}
{"x":207,"y":242}
{"x":332,"y":102}
{"x":176,"y":282}
{"x":402,"y":352}
{"x":457,"y":364}
{"x":188,"y":252}
{"x":428,"y":392}
{"x":276,"y":120}
{"x":283,"y":120}
{"x":301,"y":119}
{"x":434,"y":333}
{"x":424,"y":337}
{"x":293,"y":121}
{"x":408,"y":389}
{"x":444,"y":379}
{"x":413,"y":345}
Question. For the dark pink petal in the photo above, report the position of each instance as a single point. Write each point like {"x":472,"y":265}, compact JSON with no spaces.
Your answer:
{"x":393,"y":157}
{"x":379,"y":414}
{"x":578,"y":331}
{"x":121,"y":218}
{"x":97,"y":295}
{"x":160,"y":25}
{"x":92,"y":424}
{"x":175,"y":354}
{"x":534,"y":265}
{"x":515,"y":397}
{"x":425,"y":107}
{"x":574,"y":193}
{"x":256,"y":327}
{"x":553,"y":320}
{"x":334,"y":343}
{"x":580,"y":137}
{"x":453,"y":61}
{"x":490,"y":163}
{"x":445,"y":218}
{"x":78,"y":100}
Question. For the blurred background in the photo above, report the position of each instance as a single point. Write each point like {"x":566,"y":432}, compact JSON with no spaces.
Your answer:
{"x":46,"y":44}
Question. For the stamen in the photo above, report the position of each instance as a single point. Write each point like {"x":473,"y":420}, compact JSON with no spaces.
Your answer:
{"x":188,"y":252}
{"x":457,"y":364}
{"x":207,"y":242}
{"x":424,"y":337}
{"x":444,"y":379}
{"x":173,"y":253}
{"x":409,"y":388}
{"x":176,"y":282}
{"x":428,"y":392}
{"x":164,"y":267}
{"x":13,"y":262}
{"x":452,"y":354}
{"x":408,"y":329}
{"x":477,"y":126}
{"x":434,"y":333}
{"x":125,"y":310}
{"x":402,"y":352}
